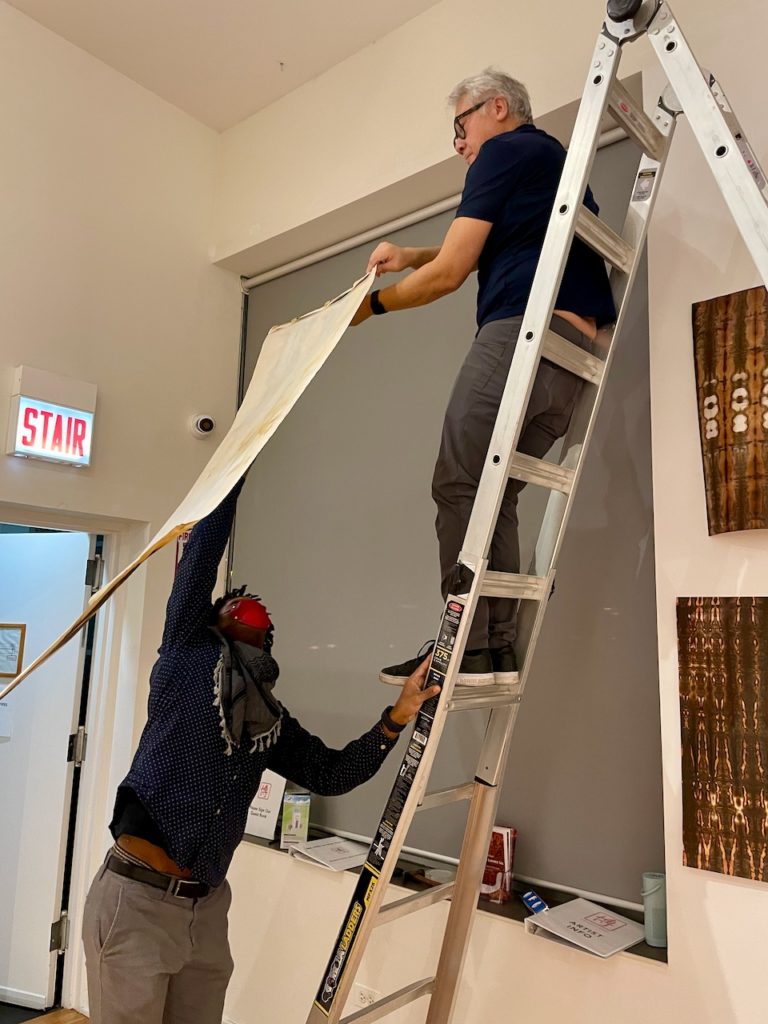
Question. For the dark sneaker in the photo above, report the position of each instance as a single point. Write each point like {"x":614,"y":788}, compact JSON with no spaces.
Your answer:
{"x":397,"y":674}
{"x":476,"y":668}
{"x":504,"y":665}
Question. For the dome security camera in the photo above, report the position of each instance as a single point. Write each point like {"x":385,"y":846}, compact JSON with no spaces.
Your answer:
{"x":202,"y":426}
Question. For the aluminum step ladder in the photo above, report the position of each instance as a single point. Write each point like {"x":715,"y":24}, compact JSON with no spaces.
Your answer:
{"x":743,"y":185}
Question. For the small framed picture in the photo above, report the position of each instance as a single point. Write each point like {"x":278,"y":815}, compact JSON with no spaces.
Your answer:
{"x":11,"y":648}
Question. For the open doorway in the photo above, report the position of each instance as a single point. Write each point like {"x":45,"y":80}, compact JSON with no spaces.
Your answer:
{"x":46,"y":578}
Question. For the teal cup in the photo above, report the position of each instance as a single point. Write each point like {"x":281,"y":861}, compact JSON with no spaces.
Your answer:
{"x":654,"y":895}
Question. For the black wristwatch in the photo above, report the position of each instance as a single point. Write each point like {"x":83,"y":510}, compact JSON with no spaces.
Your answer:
{"x":388,"y":722}
{"x":377,"y":306}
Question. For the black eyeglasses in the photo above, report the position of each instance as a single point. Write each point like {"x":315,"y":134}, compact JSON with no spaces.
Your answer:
{"x":459,"y":132}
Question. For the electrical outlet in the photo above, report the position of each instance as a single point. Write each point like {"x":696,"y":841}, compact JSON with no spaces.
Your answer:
{"x":363,"y":996}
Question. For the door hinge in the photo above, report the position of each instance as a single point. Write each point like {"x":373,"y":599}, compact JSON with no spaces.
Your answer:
{"x":94,"y":571}
{"x":60,"y":933}
{"x":78,"y":741}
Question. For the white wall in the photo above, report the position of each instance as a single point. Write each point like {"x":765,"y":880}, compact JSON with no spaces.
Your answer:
{"x":284,"y":915}
{"x":106,"y":197}
{"x":380,"y":117}
{"x":104,"y":275}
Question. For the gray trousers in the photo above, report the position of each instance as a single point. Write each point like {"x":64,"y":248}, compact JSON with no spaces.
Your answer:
{"x":467,"y":430}
{"x":152,"y":958}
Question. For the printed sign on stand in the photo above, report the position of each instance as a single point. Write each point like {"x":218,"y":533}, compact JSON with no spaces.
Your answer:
{"x":264,"y":812}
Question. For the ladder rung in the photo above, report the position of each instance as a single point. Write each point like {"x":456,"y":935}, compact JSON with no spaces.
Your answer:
{"x":604,"y":240}
{"x":416,"y":901}
{"x":511,"y":584}
{"x":440,"y":797}
{"x":472,"y":698}
{"x":572,"y":358}
{"x":545,"y":474}
{"x":389,"y":1004}
{"x":636,"y":122}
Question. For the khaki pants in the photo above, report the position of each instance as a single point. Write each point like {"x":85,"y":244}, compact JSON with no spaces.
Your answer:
{"x":469,"y":422}
{"x":152,"y":958}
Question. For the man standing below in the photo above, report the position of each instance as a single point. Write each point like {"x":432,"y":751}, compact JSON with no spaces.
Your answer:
{"x":513,"y":174}
{"x":155,"y":921}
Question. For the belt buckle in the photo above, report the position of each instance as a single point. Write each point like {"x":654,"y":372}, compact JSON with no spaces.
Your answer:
{"x":174,"y":888}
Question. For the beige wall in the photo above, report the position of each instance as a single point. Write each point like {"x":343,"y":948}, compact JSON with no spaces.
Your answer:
{"x":106,"y":201}
{"x":718,"y":927}
{"x":104,"y":276}
{"x":380,"y":117}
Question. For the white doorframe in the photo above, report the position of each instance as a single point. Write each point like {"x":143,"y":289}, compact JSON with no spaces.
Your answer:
{"x":111,"y":710}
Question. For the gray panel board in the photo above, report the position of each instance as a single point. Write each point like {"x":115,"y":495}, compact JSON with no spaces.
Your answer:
{"x":335,"y":530}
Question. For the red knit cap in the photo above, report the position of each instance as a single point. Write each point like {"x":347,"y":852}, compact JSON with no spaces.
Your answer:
{"x":249,"y":612}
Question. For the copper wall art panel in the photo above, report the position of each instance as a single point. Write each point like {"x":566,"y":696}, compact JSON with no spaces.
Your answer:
{"x":731,"y":354}
{"x":723,"y":661}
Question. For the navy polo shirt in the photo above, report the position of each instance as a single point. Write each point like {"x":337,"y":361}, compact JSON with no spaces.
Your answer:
{"x":195,"y":792}
{"x":512,"y":183}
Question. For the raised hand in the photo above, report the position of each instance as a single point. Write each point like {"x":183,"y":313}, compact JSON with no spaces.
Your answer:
{"x":388,"y":258}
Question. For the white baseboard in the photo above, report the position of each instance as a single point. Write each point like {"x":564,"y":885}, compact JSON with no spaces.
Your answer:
{"x":33,"y":1000}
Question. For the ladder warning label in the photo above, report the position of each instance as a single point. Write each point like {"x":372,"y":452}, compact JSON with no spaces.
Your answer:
{"x":441,"y":656}
{"x":382,"y":841}
{"x":644,"y":185}
{"x":750,"y":160}
{"x":361,"y":899}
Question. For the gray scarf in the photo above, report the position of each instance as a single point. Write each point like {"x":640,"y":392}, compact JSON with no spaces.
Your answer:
{"x":243,"y":681}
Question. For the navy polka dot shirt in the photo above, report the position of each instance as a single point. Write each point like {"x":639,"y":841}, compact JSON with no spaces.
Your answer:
{"x":196,"y":793}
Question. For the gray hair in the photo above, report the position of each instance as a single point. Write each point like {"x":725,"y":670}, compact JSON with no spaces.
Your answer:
{"x":495,"y":83}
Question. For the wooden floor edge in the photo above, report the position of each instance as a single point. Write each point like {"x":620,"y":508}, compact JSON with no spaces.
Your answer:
{"x":62,"y":1017}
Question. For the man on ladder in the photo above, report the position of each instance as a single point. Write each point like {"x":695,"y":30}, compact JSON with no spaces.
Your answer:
{"x":744,"y":186}
{"x":513,"y":175}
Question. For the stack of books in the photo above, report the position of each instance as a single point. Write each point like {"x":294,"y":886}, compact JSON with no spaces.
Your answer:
{"x":497,"y":877}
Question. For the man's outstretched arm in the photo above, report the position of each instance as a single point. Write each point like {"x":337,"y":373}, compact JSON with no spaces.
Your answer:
{"x":307,"y":761}
{"x":190,"y":602}
{"x":434,"y":277}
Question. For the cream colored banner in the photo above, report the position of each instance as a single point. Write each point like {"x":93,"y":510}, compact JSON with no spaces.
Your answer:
{"x":291,"y":356}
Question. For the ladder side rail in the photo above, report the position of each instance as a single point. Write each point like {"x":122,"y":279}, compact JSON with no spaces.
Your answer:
{"x":580,"y":430}
{"x":403,"y":803}
{"x":559,"y":506}
{"x":493,"y":755}
{"x":725,"y":154}
{"x":472,"y":858}
{"x":541,"y":302}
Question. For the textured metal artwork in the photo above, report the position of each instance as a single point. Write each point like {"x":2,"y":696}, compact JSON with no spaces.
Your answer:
{"x":723,"y":661}
{"x":731,"y":355}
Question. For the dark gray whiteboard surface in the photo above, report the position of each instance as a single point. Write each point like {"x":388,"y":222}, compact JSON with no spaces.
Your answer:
{"x":335,"y":531}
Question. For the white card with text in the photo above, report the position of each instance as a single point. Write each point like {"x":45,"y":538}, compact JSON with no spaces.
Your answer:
{"x":264,"y":812}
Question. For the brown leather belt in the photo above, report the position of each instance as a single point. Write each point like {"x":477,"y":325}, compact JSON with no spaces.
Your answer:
{"x":187,"y":888}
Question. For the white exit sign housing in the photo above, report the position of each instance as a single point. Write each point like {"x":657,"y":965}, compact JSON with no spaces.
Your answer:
{"x":51,"y":417}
